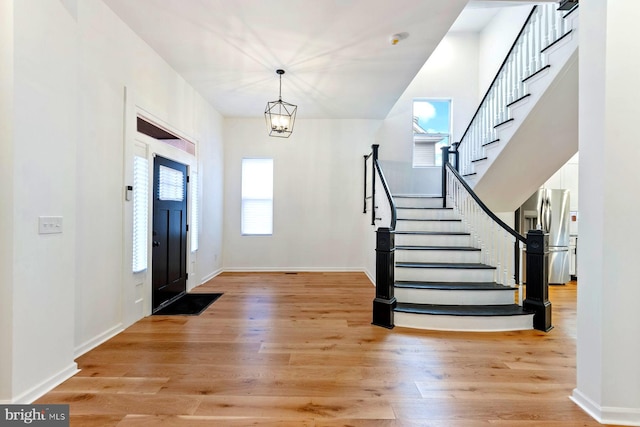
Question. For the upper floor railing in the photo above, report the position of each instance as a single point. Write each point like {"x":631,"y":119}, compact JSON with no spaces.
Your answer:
{"x":544,"y":27}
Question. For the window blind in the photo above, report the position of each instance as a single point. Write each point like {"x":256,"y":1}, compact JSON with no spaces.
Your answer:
{"x":194,"y":228}
{"x":424,"y":154}
{"x":140,"y":213}
{"x":170,"y":184}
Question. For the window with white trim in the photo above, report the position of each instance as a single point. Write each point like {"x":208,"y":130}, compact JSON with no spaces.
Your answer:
{"x":140,"y":213}
{"x":257,"y":197}
{"x":431,"y":130}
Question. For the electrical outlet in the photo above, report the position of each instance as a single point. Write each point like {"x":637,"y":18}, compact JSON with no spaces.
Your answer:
{"x":49,"y":224}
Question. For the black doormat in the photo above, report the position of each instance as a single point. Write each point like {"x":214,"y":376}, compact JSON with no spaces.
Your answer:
{"x":188,"y":304}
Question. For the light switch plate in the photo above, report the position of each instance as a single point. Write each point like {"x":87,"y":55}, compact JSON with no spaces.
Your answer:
{"x":49,"y":224}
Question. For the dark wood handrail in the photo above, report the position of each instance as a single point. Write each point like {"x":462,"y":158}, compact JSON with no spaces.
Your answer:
{"x":506,"y":58}
{"x":484,"y":207}
{"x":364,"y":198}
{"x":392,"y":203}
{"x":377,"y":168}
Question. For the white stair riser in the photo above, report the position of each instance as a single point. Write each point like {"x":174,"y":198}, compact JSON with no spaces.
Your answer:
{"x":416,"y":255}
{"x":432,"y":240}
{"x":453,"y":297}
{"x":463,"y":323}
{"x":426,"y":213}
{"x":419,"y":202}
{"x":444,"y":274}
{"x":456,"y":226}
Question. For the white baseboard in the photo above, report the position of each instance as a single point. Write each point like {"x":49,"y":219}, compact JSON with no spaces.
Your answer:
{"x":294,"y":269}
{"x":606,"y":414}
{"x":211,"y":276}
{"x":44,"y":387}
{"x":94,"y":342}
{"x":371,"y":277}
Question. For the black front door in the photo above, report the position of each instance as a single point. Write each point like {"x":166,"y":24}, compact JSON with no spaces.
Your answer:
{"x":169,"y":260}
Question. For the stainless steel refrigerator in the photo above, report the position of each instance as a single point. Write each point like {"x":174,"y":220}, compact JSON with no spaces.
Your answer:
{"x":548,"y":210}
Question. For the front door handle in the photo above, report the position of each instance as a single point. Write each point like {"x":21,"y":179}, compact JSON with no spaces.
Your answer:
{"x":156,"y":243}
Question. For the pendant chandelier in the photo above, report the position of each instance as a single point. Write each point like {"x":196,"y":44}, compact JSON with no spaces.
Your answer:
{"x":279,"y":115}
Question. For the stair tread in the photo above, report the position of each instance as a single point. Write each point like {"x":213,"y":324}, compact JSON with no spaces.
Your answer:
{"x":415,"y":196}
{"x":463,"y":310}
{"x":434,"y":219}
{"x":437,"y":248}
{"x":456,"y":265}
{"x":436,"y":233}
{"x":491,"y":142}
{"x":423,"y":208}
{"x":455,"y":286}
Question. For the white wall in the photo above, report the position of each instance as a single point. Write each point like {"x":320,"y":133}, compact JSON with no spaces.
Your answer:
{"x":44,"y":156}
{"x":6,"y":194}
{"x":70,"y":158}
{"x":451,"y":72}
{"x":211,"y":154}
{"x":318,"y":190}
{"x":608,"y":375}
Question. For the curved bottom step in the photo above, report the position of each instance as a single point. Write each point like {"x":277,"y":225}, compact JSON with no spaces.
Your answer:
{"x":470,"y":318}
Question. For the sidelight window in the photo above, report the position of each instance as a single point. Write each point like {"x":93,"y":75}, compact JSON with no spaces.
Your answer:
{"x":140,"y":212}
{"x":195,"y":225}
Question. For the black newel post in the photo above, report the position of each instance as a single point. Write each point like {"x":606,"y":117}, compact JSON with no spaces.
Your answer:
{"x":537,"y":299}
{"x":385,"y":302}
{"x":456,"y":156}
{"x":445,"y":160}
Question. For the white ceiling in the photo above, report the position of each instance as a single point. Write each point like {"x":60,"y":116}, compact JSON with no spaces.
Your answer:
{"x":337,"y":54}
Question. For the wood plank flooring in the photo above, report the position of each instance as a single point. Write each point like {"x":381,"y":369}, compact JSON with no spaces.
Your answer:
{"x":298,"y":350}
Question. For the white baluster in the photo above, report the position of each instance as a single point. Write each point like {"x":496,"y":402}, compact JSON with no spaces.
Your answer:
{"x":487,"y":259}
{"x":506,"y":257}
{"x":535,"y":40}
{"x":501,"y":98}
{"x":501,"y":103}
{"x":556,"y":23}
{"x":547,"y":25}
{"x":519,"y":75}
{"x":519,"y":69}
{"x":511,"y":79}
{"x":485,"y":123}
{"x":521,"y":281}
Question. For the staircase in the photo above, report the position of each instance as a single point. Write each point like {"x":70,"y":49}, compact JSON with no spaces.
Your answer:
{"x":441,"y":282}
{"x":451,"y":265}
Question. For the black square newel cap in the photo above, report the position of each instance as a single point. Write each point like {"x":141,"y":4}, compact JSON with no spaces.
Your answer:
{"x":567,"y":4}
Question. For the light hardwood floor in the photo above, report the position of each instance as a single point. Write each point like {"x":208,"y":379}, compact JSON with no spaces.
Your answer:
{"x":297,"y":350}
